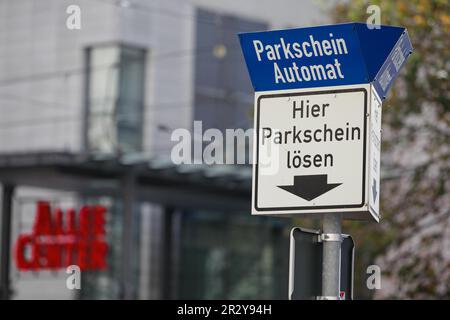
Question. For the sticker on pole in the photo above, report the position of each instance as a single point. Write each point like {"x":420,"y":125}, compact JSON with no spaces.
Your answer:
{"x":311,"y":151}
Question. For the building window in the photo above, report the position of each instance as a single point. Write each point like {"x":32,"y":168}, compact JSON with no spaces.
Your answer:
{"x":115,"y":95}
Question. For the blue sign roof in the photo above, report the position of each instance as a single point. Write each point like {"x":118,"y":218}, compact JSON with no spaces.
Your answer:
{"x":330,"y":55}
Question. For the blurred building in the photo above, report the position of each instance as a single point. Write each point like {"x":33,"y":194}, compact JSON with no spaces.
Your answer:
{"x":87,"y":117}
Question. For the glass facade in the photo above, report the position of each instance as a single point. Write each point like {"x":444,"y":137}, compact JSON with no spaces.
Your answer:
{"x":228,"y":255}
{"x":115,"y":94}
{"x":232,"y":256}
{"x":193,"y":254}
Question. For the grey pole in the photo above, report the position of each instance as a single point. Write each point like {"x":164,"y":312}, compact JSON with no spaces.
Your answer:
{"x":7,"y":199}
{"x":331,"y":263}
{"x":128,"y":198}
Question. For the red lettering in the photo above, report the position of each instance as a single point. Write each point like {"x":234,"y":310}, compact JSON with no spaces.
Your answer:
{"x":98,"y":257}
{"x":43,"y":222}
{"x":51,"y":256}
{"x":59,"y":223}
{"x":82,"y":256}
{"x":99,"y":220}
{"x":22,"y":262}
{"x":71,"y":222}
{"x":58,"y":241}
{"x":85,"y":222}
{"x":69,"y":253}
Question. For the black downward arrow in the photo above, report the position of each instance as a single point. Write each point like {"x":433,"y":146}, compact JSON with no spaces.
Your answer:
{"x":310,"y":187}
{"x":374,"y":189}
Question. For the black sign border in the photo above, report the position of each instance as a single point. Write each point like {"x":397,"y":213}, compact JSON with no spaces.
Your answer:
{"x":258,"y":104}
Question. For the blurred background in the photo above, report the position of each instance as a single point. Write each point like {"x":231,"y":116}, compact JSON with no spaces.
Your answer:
{"x":86,"y":117}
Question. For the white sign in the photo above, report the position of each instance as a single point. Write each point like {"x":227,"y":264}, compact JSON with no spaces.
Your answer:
{"x":313,"y":149}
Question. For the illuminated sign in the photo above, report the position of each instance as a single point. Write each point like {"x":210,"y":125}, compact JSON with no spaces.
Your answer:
{"x":59,"y":239}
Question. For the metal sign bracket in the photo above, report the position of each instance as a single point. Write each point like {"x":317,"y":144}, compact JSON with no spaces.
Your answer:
{"x":330,"y":237}
{"x":328,"y":298}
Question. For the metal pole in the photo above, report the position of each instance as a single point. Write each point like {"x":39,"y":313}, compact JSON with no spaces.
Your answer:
{"x":331,"y":268}
{"x":167,"y":252}
{"x":128,"y":198}
{"x":8,"y":191}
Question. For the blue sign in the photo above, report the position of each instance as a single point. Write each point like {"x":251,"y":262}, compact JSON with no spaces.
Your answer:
{"x":330,"y":55}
